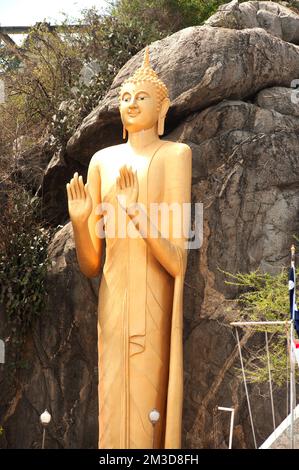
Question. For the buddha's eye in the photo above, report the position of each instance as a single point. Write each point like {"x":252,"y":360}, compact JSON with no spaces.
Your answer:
{"x":126,"y":98}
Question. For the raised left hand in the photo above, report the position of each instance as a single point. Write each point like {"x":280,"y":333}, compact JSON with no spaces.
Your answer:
{"x":127,"y":187}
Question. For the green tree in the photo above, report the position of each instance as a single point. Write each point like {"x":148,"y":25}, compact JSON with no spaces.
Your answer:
{"x":165,"y":16}
{"x":264,"y":297}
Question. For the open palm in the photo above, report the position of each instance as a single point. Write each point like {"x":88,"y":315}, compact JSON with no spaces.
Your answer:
{"x":79,"y":200}
{"x":127,"y":187}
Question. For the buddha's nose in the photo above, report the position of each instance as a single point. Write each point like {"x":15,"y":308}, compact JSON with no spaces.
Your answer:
{"x":133,"y":102}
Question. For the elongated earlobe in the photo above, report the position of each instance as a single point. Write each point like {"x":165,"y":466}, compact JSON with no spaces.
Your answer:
{"x":124,"y":133}
{"x":162,"y":115}
{"x":161,"y":122}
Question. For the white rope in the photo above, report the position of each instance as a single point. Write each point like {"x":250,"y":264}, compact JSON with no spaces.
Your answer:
{"x":270,"y":380}
{"x":246,"y":390}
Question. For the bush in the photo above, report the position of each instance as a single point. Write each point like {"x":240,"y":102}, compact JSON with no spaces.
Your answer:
{"x":23,"y":262}
{"x":165,"y":16}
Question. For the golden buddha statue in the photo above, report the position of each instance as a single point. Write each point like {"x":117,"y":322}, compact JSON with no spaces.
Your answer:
{"x":140,"y":298}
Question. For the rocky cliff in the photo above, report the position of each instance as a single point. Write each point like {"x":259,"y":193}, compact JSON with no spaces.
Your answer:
{"x":232,"y":101}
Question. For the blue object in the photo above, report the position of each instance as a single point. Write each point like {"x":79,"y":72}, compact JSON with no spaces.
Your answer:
{"x":294,"y":314}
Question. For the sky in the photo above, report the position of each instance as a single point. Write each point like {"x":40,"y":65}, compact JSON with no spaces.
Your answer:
{"x":28,"y":12}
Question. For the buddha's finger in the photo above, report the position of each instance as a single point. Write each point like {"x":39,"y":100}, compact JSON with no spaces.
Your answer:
{"x":77,"y":185}
{"x":69,"y":192}
{"x":135,"y":179}
{"x":118,"y":183}
{"x":131,"y":176}
{"x":127,"y":177}
{"x":73,"y":188}
{"x":122,"y":179}
{"x":74,"y":185}
{"x":81,"y":186}
{"x":75,"y":177}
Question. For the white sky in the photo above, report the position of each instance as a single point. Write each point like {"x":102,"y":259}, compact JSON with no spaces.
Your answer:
{"x":28,"y":12}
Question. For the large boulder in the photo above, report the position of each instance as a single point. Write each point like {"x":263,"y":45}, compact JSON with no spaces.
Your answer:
{"x":29,"y":163}
{"x":57,"y":174}
{"x":201,"y":66}
{"x":275,"y":18}
{"x":245,"y":167}
{"x":281,"y":99}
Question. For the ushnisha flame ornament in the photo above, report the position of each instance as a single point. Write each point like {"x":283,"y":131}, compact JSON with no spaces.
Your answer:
{"x":145,"y":73}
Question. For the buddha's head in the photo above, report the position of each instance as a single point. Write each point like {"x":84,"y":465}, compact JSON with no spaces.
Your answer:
{"x":143,"y":100}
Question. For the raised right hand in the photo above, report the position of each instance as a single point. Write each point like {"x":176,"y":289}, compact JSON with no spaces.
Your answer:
{"x":79,"y":200}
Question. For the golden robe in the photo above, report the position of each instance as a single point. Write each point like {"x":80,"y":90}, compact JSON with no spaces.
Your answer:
{"x":139,"y":337}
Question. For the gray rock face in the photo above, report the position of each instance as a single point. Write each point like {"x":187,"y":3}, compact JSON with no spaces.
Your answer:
{"x":53,"y":189}
{"x":275,"y":18}
{"x":201,"y":66}
{"x":30,"y":163}
{"x":250,"y":155}
{"x":283,"y":100}
{"x":245,"y":166}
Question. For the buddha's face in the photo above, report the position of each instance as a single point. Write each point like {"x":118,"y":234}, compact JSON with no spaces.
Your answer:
{"x":139,"y":107}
